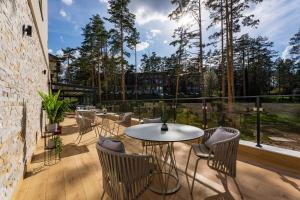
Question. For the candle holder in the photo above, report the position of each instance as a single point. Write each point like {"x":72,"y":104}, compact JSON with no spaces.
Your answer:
{"x":164,"y":127}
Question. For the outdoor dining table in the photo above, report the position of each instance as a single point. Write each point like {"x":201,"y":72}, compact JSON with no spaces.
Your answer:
{"x":176,"y":133}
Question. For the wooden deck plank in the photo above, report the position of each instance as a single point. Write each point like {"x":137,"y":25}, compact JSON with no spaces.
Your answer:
{"x":55,"y":177}
{"x":78,"y":175}
{"x":72,"y":180}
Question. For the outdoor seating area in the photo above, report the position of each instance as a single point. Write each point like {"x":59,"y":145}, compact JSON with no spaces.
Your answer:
{"x":115,"y":166}
{"x":148,"y":100}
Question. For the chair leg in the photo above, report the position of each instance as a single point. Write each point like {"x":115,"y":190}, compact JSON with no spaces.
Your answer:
{"x":187,"y":164}
{"x":194,"y":177}
{"x":237,"y":186}
{"x":118,"y":130}
{"x":80,"y":138}
{"x":77,"y":136}
{"x":102,"y":195}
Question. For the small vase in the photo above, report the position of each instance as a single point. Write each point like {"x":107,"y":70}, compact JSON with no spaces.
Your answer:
{"x":164,"y":127}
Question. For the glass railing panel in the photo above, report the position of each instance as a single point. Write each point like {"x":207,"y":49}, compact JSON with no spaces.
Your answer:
{"x":280,"y":121}
{"x":189,"y":111}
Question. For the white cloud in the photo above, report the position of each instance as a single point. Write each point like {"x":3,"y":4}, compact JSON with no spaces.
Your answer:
{"x":275,"y":18}
{"x":165,"y":41}
{"x":143,"y":17}
{"x":50,"y":51}
{"x":63,"y":13}
{"x":155,"y":32}
{"x":286,"y":54}
{"x":142,"y":46}
{"x":77,"y":54}
{"x":59,"y":52}
{"x":68,"y":2}
{"x":103,"y":1}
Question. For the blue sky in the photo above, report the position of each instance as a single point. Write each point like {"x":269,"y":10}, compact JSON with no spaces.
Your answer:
{"x":279,"y":21}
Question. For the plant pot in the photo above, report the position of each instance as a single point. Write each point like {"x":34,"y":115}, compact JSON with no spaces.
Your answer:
{"x":52,"y":127}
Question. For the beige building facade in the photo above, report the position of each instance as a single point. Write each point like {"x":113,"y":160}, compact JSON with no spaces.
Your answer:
{"x":24,"y":71}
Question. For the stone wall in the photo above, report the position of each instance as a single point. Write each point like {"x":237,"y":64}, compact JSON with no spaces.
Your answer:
{"x":21,"y":118}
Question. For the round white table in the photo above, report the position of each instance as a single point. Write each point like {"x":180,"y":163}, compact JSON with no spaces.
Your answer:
{"x":176,"y":133}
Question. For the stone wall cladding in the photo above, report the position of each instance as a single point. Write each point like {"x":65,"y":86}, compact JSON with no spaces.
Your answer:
{"x":21,"y":118}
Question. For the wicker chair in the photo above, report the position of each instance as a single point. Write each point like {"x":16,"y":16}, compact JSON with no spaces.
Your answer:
{"x":125,"y":176}
{"x":85,"y":125}
{"x":125,"y":121}
{"x":152,"y":145}
{"x":223,"y":156}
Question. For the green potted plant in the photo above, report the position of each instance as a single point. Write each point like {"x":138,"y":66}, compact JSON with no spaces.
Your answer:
{"x":54,"y":108}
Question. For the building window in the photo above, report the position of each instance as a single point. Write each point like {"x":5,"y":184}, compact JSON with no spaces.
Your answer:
{"x":41,"y":8}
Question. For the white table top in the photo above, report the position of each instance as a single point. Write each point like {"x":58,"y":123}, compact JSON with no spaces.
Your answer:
{"x":152,"y":132}
{"x":103,"y":114}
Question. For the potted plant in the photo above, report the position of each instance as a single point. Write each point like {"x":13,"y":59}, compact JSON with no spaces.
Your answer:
{"x":54,"y":108}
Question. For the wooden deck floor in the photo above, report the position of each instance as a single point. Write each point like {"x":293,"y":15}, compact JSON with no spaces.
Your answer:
{"x":78,"y":175}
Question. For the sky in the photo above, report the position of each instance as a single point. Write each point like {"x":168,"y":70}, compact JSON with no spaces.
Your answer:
{"x":279,"y":21}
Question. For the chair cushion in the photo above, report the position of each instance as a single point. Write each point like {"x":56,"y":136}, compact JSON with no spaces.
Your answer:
{"x":219,"y":135}
{"x":154,"y":120}
{"x":111,"y":144}
{"x":200,"y":150}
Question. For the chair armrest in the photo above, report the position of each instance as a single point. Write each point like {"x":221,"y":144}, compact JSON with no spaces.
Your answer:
{"x":207,"y":134}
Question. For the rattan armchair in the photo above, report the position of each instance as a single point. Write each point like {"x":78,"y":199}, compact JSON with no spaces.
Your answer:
{"x":125,"y":121}
{"x":125,"y":176}
{"x":221,"y":157}
{"x":85,"y":125}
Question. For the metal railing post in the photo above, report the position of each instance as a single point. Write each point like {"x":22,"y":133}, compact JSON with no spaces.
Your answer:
{"x":204,"y":109}
{"x":258,"y":110}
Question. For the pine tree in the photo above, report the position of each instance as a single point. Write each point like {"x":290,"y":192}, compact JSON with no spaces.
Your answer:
{"x":234,"y":17}
{"x":68,"y":57}
{"x":133,"y":41}
{"x":181,"y":37}
{"x":100,"y":38}
{"x":295,"y":47}
{"x":123,"y":29}
{"x":193,"y":7}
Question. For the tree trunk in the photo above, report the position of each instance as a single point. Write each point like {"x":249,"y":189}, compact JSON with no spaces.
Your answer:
{"x":222,"y":54}
{"x":99,"y":83}
{"x":93,"y":76}
{"x":229,"y":54}
{"x":122,"y":64}
{"x":244,"y":73}
{"x":135,"y":84}
{"x":200,"y":56}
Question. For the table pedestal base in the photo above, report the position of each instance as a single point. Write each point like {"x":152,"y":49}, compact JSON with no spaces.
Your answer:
{"x":161,"y":188}
{"x":166,"y":177}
